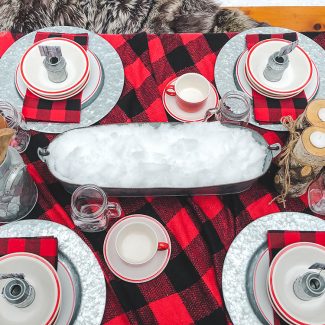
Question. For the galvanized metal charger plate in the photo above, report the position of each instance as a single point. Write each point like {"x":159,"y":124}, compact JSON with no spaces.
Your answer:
{"x":81,"y":262}
{"x":245,"y":250}
{"x":110,"y":93}
{"x":226,"y":61}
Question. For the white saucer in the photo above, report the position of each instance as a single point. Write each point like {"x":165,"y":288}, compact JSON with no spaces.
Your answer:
{"x":34,"y":73}
{"x":310,"y":90}
{"x":136,"y":273}
{"x":295,"y":77}
{"x":92,"y":85}
{"x":291,"y":262}
{"x":68,"y":295}
{"x":42,"y":276}
{"x":177,"y":113}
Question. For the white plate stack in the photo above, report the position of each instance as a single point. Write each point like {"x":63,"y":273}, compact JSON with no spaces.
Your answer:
{"x":300,"y":75}
{"x":33,"y":74}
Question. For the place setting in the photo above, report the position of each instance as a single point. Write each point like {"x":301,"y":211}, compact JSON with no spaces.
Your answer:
{"x":274,"y":271}
{"x":278,"y":85}
{"x":61,"y":78}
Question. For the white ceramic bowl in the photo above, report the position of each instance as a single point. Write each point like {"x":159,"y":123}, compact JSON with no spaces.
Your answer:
{"x":43,"y":277}
{"x":295,"y":77}
{"x":290,"y":263}
{"x":34,"y":73}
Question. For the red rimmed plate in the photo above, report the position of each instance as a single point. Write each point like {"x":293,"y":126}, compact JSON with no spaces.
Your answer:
{"x":295,"y":77}
{"x":43,"y":277}
{"x":290,"y":263}
{"x":34,"y":73}
{"x":136,"y":273}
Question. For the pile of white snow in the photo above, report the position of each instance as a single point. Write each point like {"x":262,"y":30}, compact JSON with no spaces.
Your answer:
{"x":144,"y":156}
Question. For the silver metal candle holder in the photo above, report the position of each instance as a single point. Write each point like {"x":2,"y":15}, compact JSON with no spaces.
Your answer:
{"x":19,"y":293}
{"x":275,"y":67}
{"x":54,"y":63}
{"x":309,"y":286}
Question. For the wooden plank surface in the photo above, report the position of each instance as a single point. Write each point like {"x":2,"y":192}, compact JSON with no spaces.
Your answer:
{"x":296,"y":18}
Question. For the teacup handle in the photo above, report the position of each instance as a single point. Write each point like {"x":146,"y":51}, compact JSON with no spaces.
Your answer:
{"x":162,"y":246}
{"x":113,"y":210}
{"x":170,"y":90}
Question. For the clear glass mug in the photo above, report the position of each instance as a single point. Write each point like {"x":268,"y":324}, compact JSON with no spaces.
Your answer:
{"x":234,"y":108}
{"x":91,"y":210}
{"x":17,"y":122}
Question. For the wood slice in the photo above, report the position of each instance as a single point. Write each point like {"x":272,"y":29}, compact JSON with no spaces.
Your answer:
{"x":311,"y":117}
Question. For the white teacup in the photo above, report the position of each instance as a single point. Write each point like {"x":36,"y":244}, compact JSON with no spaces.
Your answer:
{"x":191,"y":91}
{"x":137,"y":243}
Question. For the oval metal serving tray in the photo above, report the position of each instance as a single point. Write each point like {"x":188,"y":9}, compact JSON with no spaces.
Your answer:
{"x":272,"y":151}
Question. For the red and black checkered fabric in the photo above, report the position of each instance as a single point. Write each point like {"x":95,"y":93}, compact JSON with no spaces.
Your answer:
{"x":63,"y":111}
{"x":270,"y":110}
{"x":201,"y":228}
{"x":277,"y":240}
{"x":46,"y":247}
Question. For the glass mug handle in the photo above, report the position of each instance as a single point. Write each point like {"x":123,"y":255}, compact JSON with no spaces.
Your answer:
{"x":170,"y":90}
{"x":113,"y":210}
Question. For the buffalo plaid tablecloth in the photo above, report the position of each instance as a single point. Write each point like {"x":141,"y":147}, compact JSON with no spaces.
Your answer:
{"x":201,"y":227}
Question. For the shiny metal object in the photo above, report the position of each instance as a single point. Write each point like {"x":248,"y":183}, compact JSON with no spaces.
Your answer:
{"x":285,"y":50}
{"x":19,"y":293}
{"x":113,"y":74}
{"x":309,"y":286}
{"x":272,"y":151}
{"x":11,"y":275}
{"x":224,"y":71}
{"x":56,"y":68}
{"x":18,"y":192}
{"x":275,"y":67}
{"x":242,"y":256}
{"x":81,"y":263}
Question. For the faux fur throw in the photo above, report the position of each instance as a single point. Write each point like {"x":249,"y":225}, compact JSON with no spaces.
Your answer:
{"x":122,"y":16}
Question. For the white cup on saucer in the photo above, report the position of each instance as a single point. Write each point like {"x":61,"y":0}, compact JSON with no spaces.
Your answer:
{"x":191,"y":91}
{"x":137,"y":243}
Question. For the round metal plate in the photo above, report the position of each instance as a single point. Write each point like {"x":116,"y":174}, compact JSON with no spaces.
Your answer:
{"x":226,"y":61}
{"x":113,"y":74}
{"x":79,"y":256}
{"x":243,"y":252}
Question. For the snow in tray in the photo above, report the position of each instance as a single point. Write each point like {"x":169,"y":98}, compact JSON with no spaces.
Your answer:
{"x":143,"y":156}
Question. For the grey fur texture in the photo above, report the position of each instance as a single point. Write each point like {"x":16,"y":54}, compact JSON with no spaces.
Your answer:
{"x":122,"y":16}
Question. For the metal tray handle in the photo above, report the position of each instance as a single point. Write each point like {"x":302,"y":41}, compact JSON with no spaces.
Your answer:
{"x":42,"y":153}
{"x":275,"y":149}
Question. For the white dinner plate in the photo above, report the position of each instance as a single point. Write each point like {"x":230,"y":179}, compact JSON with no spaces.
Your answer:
{"x":173,"y":109}
{"x":141,"y":272}
{"x":45,"y":281}
{"x":290,"y":263}
{"x":295,"y":77}
{"x":34,"y":74}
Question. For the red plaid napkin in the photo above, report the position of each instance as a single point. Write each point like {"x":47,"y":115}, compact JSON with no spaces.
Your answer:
{"x":46,"y":247}
{"x":277,"y":240}
{"x":64,"y":111}
{"x":269,"y":110}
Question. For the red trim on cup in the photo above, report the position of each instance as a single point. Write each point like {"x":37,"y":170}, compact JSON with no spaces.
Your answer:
{"x":271,"y":272}
{"x":270,"y":89}
{"x":44,"y":40}
{"x":179,"y":118}
{"x":51,"y":268}
{"x":112,"y":268}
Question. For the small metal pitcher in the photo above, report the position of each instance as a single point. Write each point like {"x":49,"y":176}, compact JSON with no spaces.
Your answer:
{"x":18,"y":192}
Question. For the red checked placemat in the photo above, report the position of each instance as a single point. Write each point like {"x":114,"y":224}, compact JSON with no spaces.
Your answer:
{"x":63,"y":111}
{"x":276,"y":240}
{"x":201,"y":228}
{"x":46,"y":247}
{"x":270,"y":110}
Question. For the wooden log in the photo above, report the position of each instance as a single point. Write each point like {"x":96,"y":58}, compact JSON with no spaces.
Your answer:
{"x":313,"y":115}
